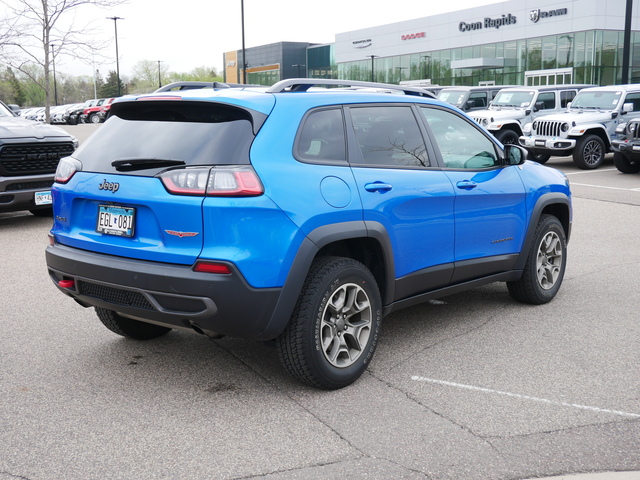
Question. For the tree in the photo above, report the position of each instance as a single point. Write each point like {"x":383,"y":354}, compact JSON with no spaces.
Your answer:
{"x":148,"y":76}
{"x":110,"y":87}
{"x":36,"y":32}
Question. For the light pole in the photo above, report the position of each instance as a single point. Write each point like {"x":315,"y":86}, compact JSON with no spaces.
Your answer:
{"x":244,"y":59}
{"x":115,"y":26}
{"x":299,"y":66}
{"x":55,"y":84}
{"x":372,"y":71}
{"x":159,"y":78}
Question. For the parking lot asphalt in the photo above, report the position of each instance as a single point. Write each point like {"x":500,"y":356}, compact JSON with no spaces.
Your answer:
{"x":471,"y":386}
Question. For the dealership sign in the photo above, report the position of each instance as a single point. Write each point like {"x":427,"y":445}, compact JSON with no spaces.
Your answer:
{"x":537,"y":14}
{"x":362,"y":43}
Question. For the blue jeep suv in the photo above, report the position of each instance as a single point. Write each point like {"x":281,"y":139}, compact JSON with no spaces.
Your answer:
{"x":299,"y":213}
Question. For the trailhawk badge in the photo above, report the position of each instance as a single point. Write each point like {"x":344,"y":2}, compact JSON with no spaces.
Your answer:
{"x":181,"y":234}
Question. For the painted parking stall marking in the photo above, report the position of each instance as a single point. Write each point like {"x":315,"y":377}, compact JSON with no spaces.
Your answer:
{"x":524,"y":397}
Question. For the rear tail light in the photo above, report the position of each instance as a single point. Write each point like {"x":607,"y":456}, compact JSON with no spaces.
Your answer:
{"x":67,"y":167}
{"x":234,"y":181}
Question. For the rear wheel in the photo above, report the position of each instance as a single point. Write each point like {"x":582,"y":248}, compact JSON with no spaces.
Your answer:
{"x":94,"y":118}
{"x":507,"y":137}
{"x":624,"y":165}
{"x":333,"y":331}
{"x":589,"y":152}
{"x":546,"y":261}
{"x":128,"y":327}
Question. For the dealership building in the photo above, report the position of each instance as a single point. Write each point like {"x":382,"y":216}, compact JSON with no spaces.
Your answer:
{"x":521,"y":42}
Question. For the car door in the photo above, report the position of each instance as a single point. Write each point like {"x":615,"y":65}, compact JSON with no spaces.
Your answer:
{"x":404,"y":193}
{"x":490,"y":209}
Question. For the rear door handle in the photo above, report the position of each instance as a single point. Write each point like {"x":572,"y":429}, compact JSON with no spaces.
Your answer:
{"x":466,"y":185}
{"x":378,"y":187}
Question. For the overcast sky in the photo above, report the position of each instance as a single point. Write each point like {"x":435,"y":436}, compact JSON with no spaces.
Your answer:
{"x":185,"y":34}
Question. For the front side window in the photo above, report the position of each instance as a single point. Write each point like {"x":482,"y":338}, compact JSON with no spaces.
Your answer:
{"x":389,"y":136}
{"x":566,"y":96}
{"x":548,"y":100}
{"x":478,"y":100}
{"x":460,"y":143}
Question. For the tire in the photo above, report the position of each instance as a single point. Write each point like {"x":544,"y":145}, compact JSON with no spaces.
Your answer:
{"x":507,"y":137}
{"x":42,"y":212}
{"x":94,"y":118}
{"x":538,"y":157}
{"x":545,"y":265}
{"x":624,"y":165}
{"x":334,"y":328}
{"x":129,"y":328}
{"x":589,"y":152}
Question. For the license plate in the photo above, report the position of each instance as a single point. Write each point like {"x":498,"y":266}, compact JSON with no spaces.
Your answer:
{"x":636,"y":148}
{"x":540,"y":143}
{"x":116,"y":220}
{"x":43,"y":198}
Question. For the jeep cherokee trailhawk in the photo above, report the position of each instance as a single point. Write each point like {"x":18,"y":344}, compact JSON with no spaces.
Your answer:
{"x":299,"y":214}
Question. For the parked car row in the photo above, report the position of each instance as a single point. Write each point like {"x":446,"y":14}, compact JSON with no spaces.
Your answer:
{"x":582,"y":121}
{"x":91,"y":111}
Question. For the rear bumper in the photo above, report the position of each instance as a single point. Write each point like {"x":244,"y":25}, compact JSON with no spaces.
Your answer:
{"x":171,"y":295}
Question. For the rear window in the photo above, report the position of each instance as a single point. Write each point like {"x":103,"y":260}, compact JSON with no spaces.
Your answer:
{"x":196,"y":133}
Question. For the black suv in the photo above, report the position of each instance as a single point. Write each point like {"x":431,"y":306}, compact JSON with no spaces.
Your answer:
{"x":626,"y":149}
{"x":299,"y":214}
{"x":29,"y":155}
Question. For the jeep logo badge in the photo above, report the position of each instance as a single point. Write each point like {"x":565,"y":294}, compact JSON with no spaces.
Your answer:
{"x":112,"y":187}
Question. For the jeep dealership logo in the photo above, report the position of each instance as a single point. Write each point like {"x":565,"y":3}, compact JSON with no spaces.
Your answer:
{"x":537,"y":14}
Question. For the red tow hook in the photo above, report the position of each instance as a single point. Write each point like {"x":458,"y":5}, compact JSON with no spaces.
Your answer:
{"x":66,"y":283}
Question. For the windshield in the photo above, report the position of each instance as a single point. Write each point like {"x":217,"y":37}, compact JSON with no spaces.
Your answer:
{"x":454,"y":97}
{"x":513,"y":98}
{"x":4,"y":111}
{"x":597,"y":100}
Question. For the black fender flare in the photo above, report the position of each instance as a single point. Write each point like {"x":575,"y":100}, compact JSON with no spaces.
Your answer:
{"x":546,"y":200}
{"x":307,"y":252}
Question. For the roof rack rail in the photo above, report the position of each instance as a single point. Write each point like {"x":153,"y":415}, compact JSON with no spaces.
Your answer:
{"x":303,"y":84}
{"x":192,"y":85}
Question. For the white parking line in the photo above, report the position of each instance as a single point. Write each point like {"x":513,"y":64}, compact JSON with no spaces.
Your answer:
{"x":525,"y":397}
{"x":608,"y":188}
{"x":599,"y":170}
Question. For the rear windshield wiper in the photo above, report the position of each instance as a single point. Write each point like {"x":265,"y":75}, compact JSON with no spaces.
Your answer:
{"x":130,"y":164}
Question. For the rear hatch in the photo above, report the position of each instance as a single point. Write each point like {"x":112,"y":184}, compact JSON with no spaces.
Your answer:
{"x":135,"y":189}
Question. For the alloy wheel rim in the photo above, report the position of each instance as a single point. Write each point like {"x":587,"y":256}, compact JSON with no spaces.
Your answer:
{"x":592,"y":153}
{"x":549,"y":261}
{"x":346,"y":325}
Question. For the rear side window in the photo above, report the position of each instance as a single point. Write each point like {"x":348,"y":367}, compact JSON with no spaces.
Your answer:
{"x":322,"y":136}
{"x":196,"y":133}
{"x":389,"y":136}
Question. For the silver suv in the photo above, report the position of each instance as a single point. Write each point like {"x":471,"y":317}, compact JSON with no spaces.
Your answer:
{"x":470,"y":98}
{"x":512,"y":108}
{"x":586,"y":128}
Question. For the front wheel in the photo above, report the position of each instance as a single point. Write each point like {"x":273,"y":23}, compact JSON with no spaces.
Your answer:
{"x":545,"y":265}
{"x":507,"y":137}
{"x":94,"y":118}
{"x":333,"y":331}
{"x":624,"y":165}
{"x":589,"y":152}
{"x":128,"y":327}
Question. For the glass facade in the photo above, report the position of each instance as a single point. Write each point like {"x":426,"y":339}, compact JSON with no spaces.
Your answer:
{"x":593,"y":57}
{"x":322,"y":62}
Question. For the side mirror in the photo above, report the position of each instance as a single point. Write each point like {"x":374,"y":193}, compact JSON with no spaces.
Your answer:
{"x":627,"y":107}
{"x":469,"y":104}
{"x":538,"y":106}
{"x":515,"y":154}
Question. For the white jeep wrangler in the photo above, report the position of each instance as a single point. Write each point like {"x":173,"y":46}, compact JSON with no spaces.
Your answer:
{"x":512,"y":108}
{"x":586,"y":129}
